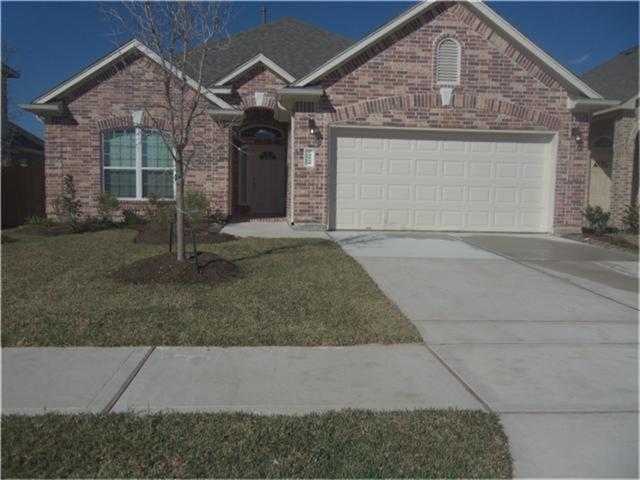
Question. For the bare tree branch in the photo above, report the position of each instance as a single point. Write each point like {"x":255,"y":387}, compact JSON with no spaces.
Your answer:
{"x":184,"y":35}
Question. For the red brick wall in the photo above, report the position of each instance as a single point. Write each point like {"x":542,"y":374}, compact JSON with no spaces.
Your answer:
{"x":73,"y":142}
{"x":393,"y":84}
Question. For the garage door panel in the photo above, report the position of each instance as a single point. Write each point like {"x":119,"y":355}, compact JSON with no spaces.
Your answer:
{"x":410,"y":180}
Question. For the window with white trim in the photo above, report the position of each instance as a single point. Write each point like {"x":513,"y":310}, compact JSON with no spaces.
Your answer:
{"x":448,"y":62}
{"x":137,"y":164}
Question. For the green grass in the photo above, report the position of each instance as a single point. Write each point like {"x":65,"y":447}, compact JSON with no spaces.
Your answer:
{"x":346,"y":444}
{"x":56,"y":292}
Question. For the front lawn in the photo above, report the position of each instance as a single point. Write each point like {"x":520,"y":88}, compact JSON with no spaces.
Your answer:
{"x":346,"y":444}
{"x":56,"y":291}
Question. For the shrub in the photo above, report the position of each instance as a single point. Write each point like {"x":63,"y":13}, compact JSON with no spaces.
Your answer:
{"x":35,"y":220}
{"x":67,"y":206}
{"x":132,"y":217}
{"x":598,"y":219}
{"x":197,"y":205}
{"x":108,"y":205}
{"x":630,"y":218}
{"x":159,"y":213}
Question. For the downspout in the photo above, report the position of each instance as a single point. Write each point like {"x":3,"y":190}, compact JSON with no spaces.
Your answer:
{"x":293,"y":167}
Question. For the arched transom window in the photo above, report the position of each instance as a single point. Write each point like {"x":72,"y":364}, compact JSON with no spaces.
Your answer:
{"x":261,"y":132}
{"x":137,"y":164}
{"x":448,"y":62}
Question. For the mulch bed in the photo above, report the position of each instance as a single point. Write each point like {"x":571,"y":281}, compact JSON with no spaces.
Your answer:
{"x":153,"y":235}
{"x":165,"y":268}
{"x":55,"y":229}
{"x":8,"y":239}
{"x":620,"y":241}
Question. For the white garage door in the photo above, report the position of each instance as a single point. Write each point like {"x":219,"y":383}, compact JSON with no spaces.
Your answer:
{"x":404,"y":180}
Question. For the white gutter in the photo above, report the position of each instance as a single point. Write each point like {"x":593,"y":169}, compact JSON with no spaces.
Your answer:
{"x":630,"y":104}
{"x":225,"y":114}
{"x":589,"y":104}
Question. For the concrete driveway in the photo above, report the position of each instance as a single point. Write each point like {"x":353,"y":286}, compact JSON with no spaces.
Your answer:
{"x":541,"y":330}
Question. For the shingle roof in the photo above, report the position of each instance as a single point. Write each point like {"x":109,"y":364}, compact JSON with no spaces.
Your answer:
{"x":294,"y":45}
{"x":17,"y":138}
{"x":617,"y":78}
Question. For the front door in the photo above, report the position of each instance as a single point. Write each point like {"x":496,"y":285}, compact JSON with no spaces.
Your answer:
{"x":266,"y":179}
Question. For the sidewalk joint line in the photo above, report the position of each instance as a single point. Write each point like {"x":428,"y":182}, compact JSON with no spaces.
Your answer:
{"x":128,"y":381}
{"x":460,"y":379}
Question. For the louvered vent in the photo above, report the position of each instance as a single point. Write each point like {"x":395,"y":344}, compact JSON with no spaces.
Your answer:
{"x":448,"y":66}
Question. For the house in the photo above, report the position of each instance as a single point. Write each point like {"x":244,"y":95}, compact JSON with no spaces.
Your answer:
{"x":22,"y":166}
{"x":445,"y":118}
{"x":613,"y":135}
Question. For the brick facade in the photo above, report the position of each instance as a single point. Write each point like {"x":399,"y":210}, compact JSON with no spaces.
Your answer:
{"x":393,"y":84}
{"x":390,"y":84}
{"x":625,"y":141}
{"x":73,"y":141}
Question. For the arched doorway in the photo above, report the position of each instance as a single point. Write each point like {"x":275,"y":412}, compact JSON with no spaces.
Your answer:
{"x":260,"y":176}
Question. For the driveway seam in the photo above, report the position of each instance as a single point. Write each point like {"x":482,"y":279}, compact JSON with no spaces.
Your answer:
{"x":548,"y":274}
{"x":128,"y":381}
{"x":460,"y":379}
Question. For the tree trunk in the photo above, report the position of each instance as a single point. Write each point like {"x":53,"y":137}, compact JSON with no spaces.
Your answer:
{"x":180,"y":246}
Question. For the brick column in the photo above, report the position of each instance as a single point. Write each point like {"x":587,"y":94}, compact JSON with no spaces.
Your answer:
{"x":625,"y":131}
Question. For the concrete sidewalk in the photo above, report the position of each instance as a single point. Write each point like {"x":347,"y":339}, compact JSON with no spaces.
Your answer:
{"x":286,"y":380}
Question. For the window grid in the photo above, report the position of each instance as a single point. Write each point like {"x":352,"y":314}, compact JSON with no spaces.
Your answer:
{"x":147,"y":180}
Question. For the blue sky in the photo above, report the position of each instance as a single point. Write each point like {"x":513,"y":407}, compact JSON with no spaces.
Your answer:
{"x":54,"y":40}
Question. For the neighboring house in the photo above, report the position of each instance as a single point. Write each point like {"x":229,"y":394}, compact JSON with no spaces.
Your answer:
{"x":22,"y":166}
{"x":445,"y":118}
{"x":613,"y":136}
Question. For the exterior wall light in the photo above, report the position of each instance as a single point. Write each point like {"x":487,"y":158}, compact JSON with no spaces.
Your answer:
{"x":576,"y":134}
{"x":315,"y":131}
{"x":313,"y":128}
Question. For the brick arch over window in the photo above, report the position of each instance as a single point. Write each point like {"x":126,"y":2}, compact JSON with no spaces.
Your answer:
{"x":127,"y":122}
{"x":249,"y":101}
{"x":432,"y":100}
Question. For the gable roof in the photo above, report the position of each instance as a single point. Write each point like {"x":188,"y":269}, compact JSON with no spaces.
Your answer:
{"x":17,"y":138}
{"x":107,"y":61}
{"x":295,"y":46}
{"x":617,"y":78}
{"x":484,"y":12}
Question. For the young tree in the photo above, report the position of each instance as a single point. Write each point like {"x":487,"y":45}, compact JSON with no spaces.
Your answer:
{"x":184,"y":35}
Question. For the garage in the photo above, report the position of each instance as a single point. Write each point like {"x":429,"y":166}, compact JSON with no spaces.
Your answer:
{"x":390,"y":179}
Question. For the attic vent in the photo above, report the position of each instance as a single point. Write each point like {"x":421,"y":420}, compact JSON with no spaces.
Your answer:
{"x":448,"y":62}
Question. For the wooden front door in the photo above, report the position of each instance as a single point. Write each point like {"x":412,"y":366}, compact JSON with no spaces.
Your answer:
{"x":266,"y":179}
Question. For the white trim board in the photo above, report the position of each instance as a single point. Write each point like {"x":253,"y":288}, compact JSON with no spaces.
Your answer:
{"x":112,"y":57}
{"x":484,"y":12}
{"x":262,"y":59}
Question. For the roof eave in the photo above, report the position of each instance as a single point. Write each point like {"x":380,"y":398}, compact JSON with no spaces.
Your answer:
{"x":43,"y":109}
{"x":107,"y":60}
{"x":257,"y":59}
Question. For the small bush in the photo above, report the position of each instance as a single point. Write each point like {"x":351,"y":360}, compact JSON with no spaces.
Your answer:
{"x":67,"y":206}
{"x":160,"y":213}
{"x":108,"y":205}
{"x":197,"y":206}
{"x":598,"y":219}
{"x":35,"y":220}
{"x":132,"y":217}
{"x":630,"y":218}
